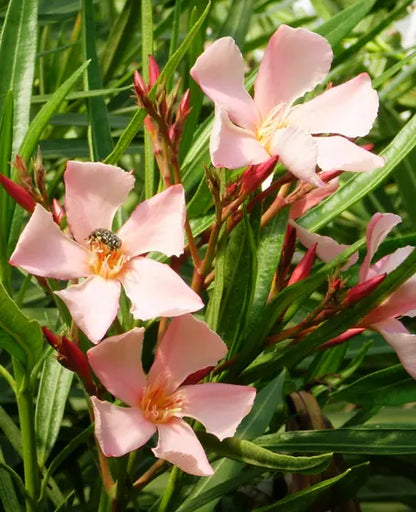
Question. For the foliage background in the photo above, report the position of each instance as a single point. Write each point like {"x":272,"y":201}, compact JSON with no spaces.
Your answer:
{"x":74,"y":111}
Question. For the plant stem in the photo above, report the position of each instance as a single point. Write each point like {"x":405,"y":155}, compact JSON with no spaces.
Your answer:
{"x":27,"y":428}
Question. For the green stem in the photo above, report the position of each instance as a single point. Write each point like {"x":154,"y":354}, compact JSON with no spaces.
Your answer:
{"x":171,"y":493}
{"x":27,"y":428}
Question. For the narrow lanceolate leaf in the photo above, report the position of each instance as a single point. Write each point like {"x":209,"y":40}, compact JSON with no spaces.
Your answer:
{"x":17,"y":56}
{"x":371,"y":440}
{"x":237,"y":22}
{"x":340,"y":25}
{"x":43,"y":117}
{"x":389,"y":386}
{"x":21,"y":337}
{"x":327,"y":494}
{"x":361,"y":184}
{"x":130,"y":132}
{"x":208,"y":490}
{"x":53,"y":392}
{"x":99,"y":130}
{"x":250,"y":453}
{"x":8,"y":496}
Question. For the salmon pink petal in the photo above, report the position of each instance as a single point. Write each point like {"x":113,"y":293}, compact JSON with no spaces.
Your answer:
{"x":348,"y":109}
{"x":378,"y":228}
{"x":219,"y":71}
{"x":232,"y":146}
{"x":337,"y":153}
{"x":156,"y":290}
{"x":390,"y":262}
{"x":120,"y":430}
{"x":400,"y":302}
{"x":301,"y":206}
{"x":296,"y":149}
{"x":179,"y":445}
{"x":295,"y":61}
{"x":219,"y":407}
{"x":45,"y":251}
{"x":93,"y":305}
{"x":117,"y":363}
{"x":94,"y":191}
{"x":187,"y":346}
{"x":327,"y":248}
{"x":403,"y":343}
{"x":156,"y":224}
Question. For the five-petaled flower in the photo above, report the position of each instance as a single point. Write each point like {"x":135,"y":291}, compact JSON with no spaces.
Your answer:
{"x":158,"y":402}
{"x":249,"y":130}
{"x":402,"y":302}
{"x":94,"y":192}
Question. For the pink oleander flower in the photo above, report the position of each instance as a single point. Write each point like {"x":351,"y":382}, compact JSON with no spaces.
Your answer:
{"x":250,"y":130}
{"x":158,"y":401}
{"x":94,"y":192}
{"x":402,"y":302}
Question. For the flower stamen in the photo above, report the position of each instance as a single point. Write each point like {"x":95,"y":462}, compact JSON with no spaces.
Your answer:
{"x":106,"y":257}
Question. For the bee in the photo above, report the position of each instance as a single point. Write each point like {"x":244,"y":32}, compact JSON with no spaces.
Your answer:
{"x":106,"y":237}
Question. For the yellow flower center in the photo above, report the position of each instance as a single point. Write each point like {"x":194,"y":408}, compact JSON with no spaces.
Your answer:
{"x":159,"y":406}
{"x":275,"y":120}
{"x":106,"y":257}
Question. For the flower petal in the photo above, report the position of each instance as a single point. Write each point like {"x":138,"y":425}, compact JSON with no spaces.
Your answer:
{"x":94,"y":191}
{"x":313,"y":198}
{"x":390,"y":262}
{"x":117,"y":362}
{"x":337,"y":153}
{"x":120,"y":430}
{"x":156,"y":290}
{"x":295,"y":61}
{"x":233,"y":147}
{"x":378,"y":228}
{"x":327,"y":248}
{"x":179,"y":445}
{"x":297,"y":150}
{"x":403,"y":343}
{"x":187,"y":346}
{"x":219,"y":71}
{"x":93,"y":305}
{"x":156,"y":224}
{"x":45,"y":251}
{"x":219,"y":407}
{"x":348,"y":109}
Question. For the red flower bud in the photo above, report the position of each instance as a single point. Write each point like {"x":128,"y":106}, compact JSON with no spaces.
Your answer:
{"x":154,"y":71}
{"x":139,"y":86}
{"x":345,"y":336}
{"x":195,"y":377}
{"x":18,"y":193}
{"x":254,"y":175}
{"x":57,"y":212}
{"x":304,"y":267}
{"x":362,"y":290}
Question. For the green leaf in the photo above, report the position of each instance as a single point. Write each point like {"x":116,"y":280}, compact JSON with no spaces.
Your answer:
{"x":371,"y":440}
{"x":237,"y":22}
{"x":17,"y":56}
{"x":54,"y":387}
{"x":215,"y":297}
{"x":129,"y":133}
{"x":26,"y":334}
{"x":7,"y":493}
{"x":43,"y":117}
{"x":250,"y":453}
{"x":341,"y":25}
{"x":361,"y":184}
{"x":99,"y":131}
{"x":327,"y":494}
{"x":389,"y":386}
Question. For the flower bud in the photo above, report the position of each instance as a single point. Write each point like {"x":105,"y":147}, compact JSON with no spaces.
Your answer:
{"x":57,"y":212}
{"x":363,"y":289}
{"x":18,"y":193}
{"x":345,"y":336}
{"x":256,"y":174}
{"x":139,"y":86}
{"x":304,"y":267}
{"x":154,"y":71}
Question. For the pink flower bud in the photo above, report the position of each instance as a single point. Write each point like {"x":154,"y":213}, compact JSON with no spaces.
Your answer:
{"x":57,"y":212}
{"x":18,"y":193}
{"x":303,"y":269}
{"x":154,"y":71}
{"x":197,"y":376}
{"x":363,"y":289}
{"x":256,"y":174}
{"x":345,"y":336}
{"x":139,"y":86}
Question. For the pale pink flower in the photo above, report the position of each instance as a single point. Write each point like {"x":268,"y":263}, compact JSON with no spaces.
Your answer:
{"x":402,"y":302}
{"x":94,"y":192}
{"x":158,"y":402}
{"x":249,"y":130}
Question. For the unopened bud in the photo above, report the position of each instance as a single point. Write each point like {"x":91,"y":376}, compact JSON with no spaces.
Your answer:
{"x":256,"y":174}
{"x":304,"y":267}
{"x":140,"y":87}
{"x":57,"y":212}
{"x":154,"y":71}
{"x":18,"y":193}
{"x":194,"y":378}
{"x":363,"y":289}
{"x":342,"y":338}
